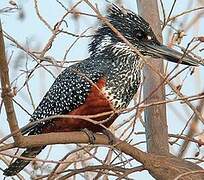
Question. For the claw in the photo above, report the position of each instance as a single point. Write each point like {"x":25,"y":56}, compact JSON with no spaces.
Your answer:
{"x":111,"y":137}
{"x":92,"y":138}
{"x":90,"y":135}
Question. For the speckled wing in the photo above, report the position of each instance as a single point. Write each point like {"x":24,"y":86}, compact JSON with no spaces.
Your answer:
{"x":69,"y":90}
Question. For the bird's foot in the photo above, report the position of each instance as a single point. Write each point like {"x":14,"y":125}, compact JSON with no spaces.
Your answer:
{"x":110,"y":135}
{"x":92,"y":138}
{"x":90,"y":135}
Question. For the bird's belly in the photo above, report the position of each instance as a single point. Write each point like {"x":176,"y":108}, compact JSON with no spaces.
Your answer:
{"x":96,"y":104}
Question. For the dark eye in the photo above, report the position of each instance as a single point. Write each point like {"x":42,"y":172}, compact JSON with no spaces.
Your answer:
{"x":139,"y":35}
{"x":142,"y":36}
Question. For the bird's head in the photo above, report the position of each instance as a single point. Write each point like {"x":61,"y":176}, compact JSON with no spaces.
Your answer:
{"x":138,"y":32}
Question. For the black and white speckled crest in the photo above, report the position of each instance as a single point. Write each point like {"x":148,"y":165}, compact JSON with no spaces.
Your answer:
{"x":133,"y":27}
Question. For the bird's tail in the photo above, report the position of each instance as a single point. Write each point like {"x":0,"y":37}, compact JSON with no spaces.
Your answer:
{"x":19,"y":164}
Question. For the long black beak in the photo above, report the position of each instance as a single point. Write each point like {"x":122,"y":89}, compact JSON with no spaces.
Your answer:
{"x":172,"y":55}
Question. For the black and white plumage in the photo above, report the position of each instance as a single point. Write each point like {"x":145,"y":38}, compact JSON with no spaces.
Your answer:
{"x":112,"y":61}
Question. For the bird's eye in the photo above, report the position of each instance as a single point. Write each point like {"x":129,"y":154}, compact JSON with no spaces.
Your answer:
{"x":139,"y":35}
{"x":142,"y":36}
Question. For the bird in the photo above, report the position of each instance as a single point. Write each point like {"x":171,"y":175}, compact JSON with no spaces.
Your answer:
{"x":106,"y":81}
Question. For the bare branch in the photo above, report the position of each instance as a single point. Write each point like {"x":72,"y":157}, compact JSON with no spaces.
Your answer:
{"x":7,"y":94}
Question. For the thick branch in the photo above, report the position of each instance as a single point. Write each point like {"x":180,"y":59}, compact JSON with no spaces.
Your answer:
{"x":162,"y":167}
{"x":155,"y":116}
{"x":6,"y":90}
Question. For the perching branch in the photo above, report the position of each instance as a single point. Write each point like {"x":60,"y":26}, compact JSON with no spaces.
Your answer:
{"x":162,"y":167}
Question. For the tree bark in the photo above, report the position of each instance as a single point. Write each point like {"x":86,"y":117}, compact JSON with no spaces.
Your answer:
{"x":155,"y":116}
